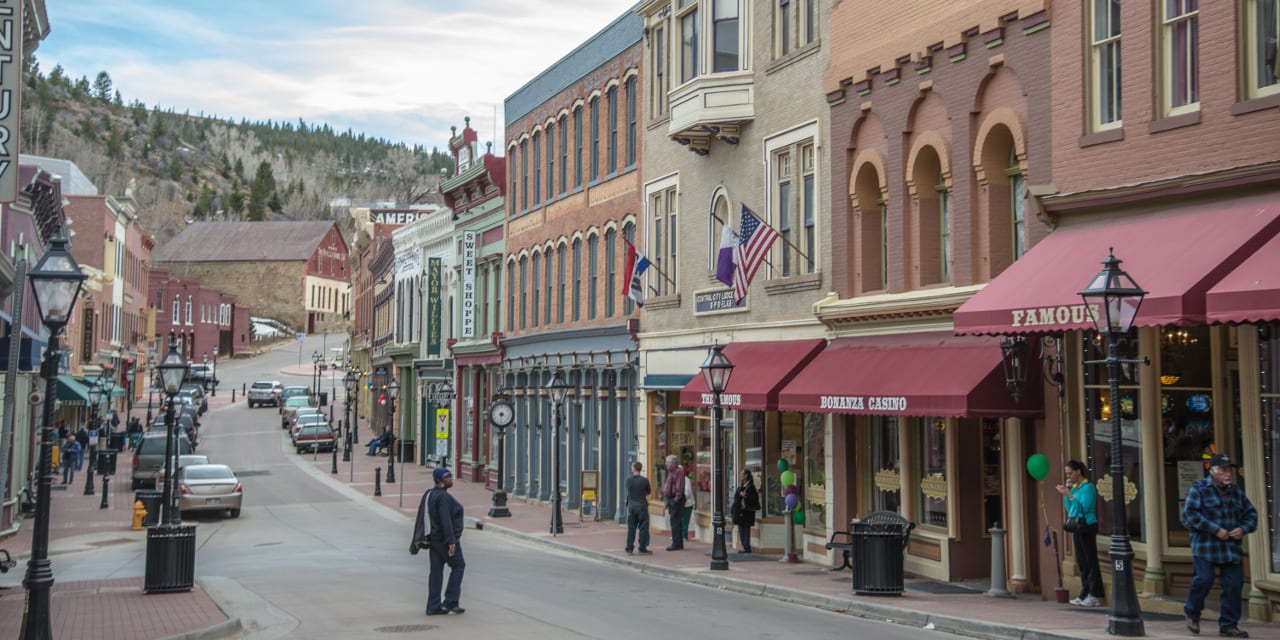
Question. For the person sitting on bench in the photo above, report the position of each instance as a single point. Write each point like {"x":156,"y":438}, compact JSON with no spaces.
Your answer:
{"x":381,"y":442}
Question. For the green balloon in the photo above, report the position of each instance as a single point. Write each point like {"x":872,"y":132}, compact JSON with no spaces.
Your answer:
{"x":797,"y":517}
{"x":788,"y":478}
{"x":1038,"y":466}
{"x":782,"y":464}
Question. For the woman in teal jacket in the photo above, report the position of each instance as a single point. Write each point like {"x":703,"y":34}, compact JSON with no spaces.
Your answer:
{"x":1080,"y":498}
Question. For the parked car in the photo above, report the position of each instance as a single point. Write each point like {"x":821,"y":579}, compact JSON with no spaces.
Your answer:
{"x":291,"y":405}
{"x":148,"y":458}
{"x":201,"y":374}
{"x":186,"y":426}
{"x":196,"y":393}
{"x":301,"y":420}
{"x":178,"y":463}
{"x":315,"y":437}
{"x":265,"y":392}
{"x":209,"y":487}
{"x":293,"y":391}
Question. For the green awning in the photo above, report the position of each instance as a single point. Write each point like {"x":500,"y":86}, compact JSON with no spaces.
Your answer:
{"x":72,"y":392}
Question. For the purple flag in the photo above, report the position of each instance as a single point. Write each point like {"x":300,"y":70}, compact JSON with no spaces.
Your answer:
{"x":724,"y":263}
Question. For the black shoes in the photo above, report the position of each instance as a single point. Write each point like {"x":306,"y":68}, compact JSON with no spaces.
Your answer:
{"x":1193,"y":625}
{"x":675,"y":547}
{"x":630,"y":552}
{"x":446,"y":610}
{"x":646,"y":552}
{"x":740,"y":551}
{"x":1233,"y":632}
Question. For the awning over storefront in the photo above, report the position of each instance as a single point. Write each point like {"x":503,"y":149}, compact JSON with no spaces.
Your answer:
{"x":1251,"y":293}
{"x":760,"y":370}
{"x":666,"y":381}
{"x":72,"y":392}
{"x":931,"y":374}
{"x":1175,"y":256}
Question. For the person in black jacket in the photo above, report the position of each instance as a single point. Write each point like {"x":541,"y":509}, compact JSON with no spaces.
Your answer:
{"x":746,"y":502}
{"x":445,"y":514}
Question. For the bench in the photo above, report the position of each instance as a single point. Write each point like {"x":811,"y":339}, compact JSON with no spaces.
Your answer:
{"x":845,"y":538}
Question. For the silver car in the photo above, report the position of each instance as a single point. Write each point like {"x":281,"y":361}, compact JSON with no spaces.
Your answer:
{"x":209,"y":487}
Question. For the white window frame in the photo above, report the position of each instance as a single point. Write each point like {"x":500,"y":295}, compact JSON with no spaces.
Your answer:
{"x":1254,"y":49}
{"x":1168,"y":27}
{"x":663,"y":192}
{"x":1104,"y":71}
{"x":794,"y":139}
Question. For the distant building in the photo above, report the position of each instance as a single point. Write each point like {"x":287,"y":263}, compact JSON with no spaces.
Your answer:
{"x":295,"y":272}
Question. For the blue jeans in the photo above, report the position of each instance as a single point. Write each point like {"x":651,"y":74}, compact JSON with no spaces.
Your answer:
{"x":68,"y":471}
{"x":638,"y":519}
{"x":1230,"y":576}
{"x":453,"y":591}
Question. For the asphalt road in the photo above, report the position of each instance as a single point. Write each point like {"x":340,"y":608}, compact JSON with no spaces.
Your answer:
{"x":309,"y":558}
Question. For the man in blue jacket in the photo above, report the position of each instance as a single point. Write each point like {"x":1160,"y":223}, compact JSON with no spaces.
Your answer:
{"x":446,"y":528}
{"x":1218,"y":515}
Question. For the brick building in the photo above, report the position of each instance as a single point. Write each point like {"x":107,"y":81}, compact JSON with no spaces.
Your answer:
{"x":573,"y":148}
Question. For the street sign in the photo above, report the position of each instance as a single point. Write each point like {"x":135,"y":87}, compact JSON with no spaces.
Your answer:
{"x":301,"y":335}
{"x":442,"y":424}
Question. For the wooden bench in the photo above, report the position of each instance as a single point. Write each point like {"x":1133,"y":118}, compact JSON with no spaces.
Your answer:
{"x":843,"y":540}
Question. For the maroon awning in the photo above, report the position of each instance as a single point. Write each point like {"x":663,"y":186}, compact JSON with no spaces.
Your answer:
{"x":760,"y":369}
{"x":1251,"y":293}
{"x":932,"y":374}
{"x":1174,"y":256}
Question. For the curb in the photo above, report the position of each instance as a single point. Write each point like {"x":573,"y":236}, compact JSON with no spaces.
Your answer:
{"x":856,"y":608}
{"x":227,"y":628}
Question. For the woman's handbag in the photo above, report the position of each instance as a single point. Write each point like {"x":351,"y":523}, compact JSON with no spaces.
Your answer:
{"x":1073,"y":524}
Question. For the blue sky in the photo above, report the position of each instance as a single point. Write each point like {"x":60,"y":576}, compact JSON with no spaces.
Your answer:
{"x":403,"y":70}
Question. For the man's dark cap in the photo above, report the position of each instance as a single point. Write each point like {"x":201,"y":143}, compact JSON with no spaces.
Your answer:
{"x":1221,"y":460}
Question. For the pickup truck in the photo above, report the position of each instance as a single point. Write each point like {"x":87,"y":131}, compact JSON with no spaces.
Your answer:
{"x":315,"y":436}
{"x":265,"y":392}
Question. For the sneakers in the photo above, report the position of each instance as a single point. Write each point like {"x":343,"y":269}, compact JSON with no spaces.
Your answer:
{"x":1233,"y":632}
{"x":1079,"y":602}
{"x":1090,"y":601}
{"x":1193,"y":624}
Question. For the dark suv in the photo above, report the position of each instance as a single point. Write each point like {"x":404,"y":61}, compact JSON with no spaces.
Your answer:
{"x":148,"y":459}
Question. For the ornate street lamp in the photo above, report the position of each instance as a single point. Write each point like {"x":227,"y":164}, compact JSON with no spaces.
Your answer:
{"x":558,"y":388}
{"x":349,"y":384}
{"x":716,"y":369}
{"x":213,"y":373}
{"x":56,"y":281}
{"x":315,"y":373}
{"x":1112,"y":299}
{"x":393,"y":393}
{"x":1013,"y":351}
{"x":151,"y":382}
{"x":171,"y":551}
{"x":100,"y":390}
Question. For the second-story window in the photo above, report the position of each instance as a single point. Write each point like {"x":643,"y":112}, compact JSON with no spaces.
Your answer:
{"x":659,"y":65}
{"x":944,"y":229}
{"x":1262,"y":46}
{"x":1017,"y":205}
{"x":524,"y":175}
{"x":595,"y":139}
{"x":564,"y":154}
{"x":808,"y":206}
{"x":593,"y":273}
{"x":725,"y":25}
{"x":511,"y":295}
{"x":511,"y":168}
{"x":577,"y":147}
{"x":577,"y":279}
{"x":662,"y":238}
{"x":612,"y":145}
{"x":551,"y":162}
{"x":537,"y":169}
{"x":610,"y":271}
{"x":524,"y":290}
{"x":687,"y":15}
{"x":188,"y":310}
{"x":1180,"y":56}
{"x":1104,"y":62}
{"x":782,"y":173}
{"x":547,"y":272}
{"x":560,"y":267}
{"x":536,"y":259}
{"x":177,"y":314}
{"x":631,"y":121}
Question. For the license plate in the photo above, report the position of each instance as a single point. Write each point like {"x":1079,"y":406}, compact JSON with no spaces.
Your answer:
{"x":212,"y":500}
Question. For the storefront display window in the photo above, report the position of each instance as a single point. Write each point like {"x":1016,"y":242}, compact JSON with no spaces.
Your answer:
{"x":933,"y":471}
{"x":676,"y":433}
{"x":1186,"y":418}
{"x":1098,"y":406}
{"x":468,"y":393}
{"x":992,"y":494}
{"x":815,"y":471}
{"x":1269,"y":376}
{"x":886,"y":464}
{"x":789,"y":445}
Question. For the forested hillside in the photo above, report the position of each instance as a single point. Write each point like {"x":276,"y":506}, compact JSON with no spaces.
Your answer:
{"x":187,"y":167}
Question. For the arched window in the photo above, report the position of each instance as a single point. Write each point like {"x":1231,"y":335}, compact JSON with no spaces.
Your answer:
{"x":610,"y":272}
{"x":593,"y":273}
{"x":536,"y":258}
{"x":577,"y":279}
{"x":561,"y":256}
{"x":629,"y":232}
{"x":524,"y":291}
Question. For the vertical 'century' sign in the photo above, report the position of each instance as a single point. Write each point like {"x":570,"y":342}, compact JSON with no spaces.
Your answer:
{"x":10,"y":94}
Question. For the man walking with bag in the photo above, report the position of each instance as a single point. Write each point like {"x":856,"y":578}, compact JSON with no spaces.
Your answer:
{"x":439,"y":531}
{"x":1218,"y":515}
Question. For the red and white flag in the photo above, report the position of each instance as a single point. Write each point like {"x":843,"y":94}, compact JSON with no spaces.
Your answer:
{"x":754,"y":240}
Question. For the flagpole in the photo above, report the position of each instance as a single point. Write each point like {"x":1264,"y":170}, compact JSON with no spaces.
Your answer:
{"x":784,"y":239}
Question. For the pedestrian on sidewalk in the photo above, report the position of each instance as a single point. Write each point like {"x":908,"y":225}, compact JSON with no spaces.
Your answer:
{"x":1080,"y":498}
{"x":70,"y":455}
{"x":638,"y":490}
{"x":690,"y":503}
{"x":82,"y":438}
{"x":445,"y":513}
{"x":1218,"y":515}
{"x":746,"y":502}
{"x":673,"y":492}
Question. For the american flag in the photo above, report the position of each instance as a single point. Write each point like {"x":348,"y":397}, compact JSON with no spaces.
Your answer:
{"x":754,"y":240}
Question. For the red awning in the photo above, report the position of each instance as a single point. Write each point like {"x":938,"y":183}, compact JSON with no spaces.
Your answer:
{"x":760,"y":369}
{"x":1175,"y":256}
{"x":1251,"y":293}
{"x":932,"y":374}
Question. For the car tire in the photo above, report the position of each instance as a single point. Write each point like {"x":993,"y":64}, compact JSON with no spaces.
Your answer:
{"x":235,"y":513}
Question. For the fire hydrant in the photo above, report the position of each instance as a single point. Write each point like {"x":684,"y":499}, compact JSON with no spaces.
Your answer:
{"x":139,"y":513}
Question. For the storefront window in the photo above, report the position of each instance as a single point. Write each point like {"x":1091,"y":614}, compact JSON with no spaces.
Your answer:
{"x":992,"y":498}
{"x":815,"y":471}
{"x":788,"y":446}
{"x":886,"y":465}
{"x":676,"y":434}
{"x":1269,"y":375}
{"x":1186,"y":418}
{"x":1098,"y":408}
{"x":933,"y":471}
{"x":468,"y":393}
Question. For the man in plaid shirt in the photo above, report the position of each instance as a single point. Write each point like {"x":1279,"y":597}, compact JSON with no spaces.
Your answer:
{"x":1218,"y":515}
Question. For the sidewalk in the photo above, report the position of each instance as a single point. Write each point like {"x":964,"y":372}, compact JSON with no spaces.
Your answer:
{"x":112,"y":609}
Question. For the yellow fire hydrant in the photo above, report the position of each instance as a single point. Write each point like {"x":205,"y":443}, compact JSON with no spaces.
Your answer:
{"x":139,"y":512}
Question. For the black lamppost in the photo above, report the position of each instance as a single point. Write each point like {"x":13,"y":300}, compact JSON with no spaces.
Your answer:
{"x":349,"y":381}
{"x":130,"y":375}
{"x":717,"y":369}
{"x":56,"y":281}
{"x":354,"y":426}
{"x":95,"y":397}
{"x":151,"y":383}
{"x":315,"y":373}
{"x":1112,"y":299}
{"x":107,"y":387}
{"x":204,"y":359}
{"x":213,"y":373}
{"x":170,"y":546}
{"x":393,"y":392}
{"x":558,"y":388}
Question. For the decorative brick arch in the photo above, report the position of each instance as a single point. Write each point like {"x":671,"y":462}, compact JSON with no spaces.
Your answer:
{"x":940,"y":146}
{"x":874,"y":158}
{"x":1012,"y":121}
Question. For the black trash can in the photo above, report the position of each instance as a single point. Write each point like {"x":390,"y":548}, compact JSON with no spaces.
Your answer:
{"x":151,"y":501}
{"x":324,"y":398}
{"x":407,"y":449}
{"x":106,"y":463}
{"x":878,"y":549}
{"x":171,"y":559}
{"x":116,"y":441}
